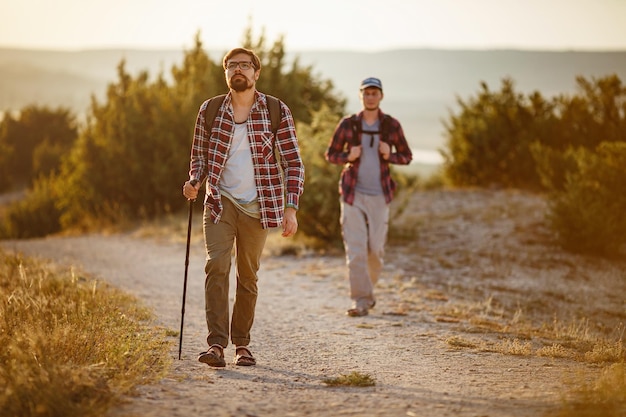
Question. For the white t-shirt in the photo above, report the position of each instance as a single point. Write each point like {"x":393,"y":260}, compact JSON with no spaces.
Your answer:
{"x":238,"y":175}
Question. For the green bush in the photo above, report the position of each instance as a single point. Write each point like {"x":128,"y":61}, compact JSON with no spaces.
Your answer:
{"x":553,"y":165}
{"x":34,"y":216}
{"x":32,"y":144}
{"x":588,"y":214}
{"x":318,"y":215}
{"x":509,"y":139}
{"x":488,"y":143}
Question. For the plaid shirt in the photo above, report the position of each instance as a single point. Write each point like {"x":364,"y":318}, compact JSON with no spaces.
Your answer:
{"x":343,"y":140}
{"x":209,"y":154}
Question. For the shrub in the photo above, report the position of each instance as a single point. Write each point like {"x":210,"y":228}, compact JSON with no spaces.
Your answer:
{"x":489,"y":141}
{"x":588,"y":214}
{"x":514,"y":140}
{"x":35,"y":142}
{"x":35,"y":215}
{"x":318,"y":215}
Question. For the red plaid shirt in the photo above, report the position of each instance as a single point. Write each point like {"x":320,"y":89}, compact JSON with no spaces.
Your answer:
{"x":343,"y":140}
{"x":209,"y":154}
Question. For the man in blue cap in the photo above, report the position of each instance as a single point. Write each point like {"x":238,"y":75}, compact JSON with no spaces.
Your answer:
{"x":365,"y":144}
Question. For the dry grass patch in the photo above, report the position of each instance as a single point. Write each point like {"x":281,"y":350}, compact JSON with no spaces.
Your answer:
{"x":461,"y":342}
{"x":604,"y":352}
{"x":604,"y":396}
{"x":555,"y":350}
{"x":71,"y":346}
{"x":353,"y":379}
{"x":513,"y":347}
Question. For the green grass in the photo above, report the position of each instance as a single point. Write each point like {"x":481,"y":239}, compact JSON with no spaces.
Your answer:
{"x":71,"y":346}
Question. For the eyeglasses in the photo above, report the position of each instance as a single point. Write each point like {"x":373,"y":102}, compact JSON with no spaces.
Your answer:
{"x":244,"y":65}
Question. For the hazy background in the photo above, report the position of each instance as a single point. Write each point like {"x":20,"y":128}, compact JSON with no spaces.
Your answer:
{"x":426,"y":52}
{"x":363,"y":25}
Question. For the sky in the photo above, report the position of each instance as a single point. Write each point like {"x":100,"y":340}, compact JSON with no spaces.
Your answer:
{"x":366,"y":25}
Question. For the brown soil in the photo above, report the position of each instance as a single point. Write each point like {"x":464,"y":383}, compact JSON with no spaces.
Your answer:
{"x":473,"y":269}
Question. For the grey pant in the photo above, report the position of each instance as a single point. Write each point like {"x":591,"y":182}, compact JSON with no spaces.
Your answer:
{"x":364,"y":227}
{"x":248,"y":236}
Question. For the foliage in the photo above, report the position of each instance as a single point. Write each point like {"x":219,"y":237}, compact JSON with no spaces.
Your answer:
{"x":588,"y":214}
{"x":34,"y":143}
{"x":597,"y":114}
{"x":70,"y":346}
{"x":124,"y":160}
{"x":512,"y":140}
{"x":488,"y":142}
{"x":318,"y":214}
{"x":6,"y":155}
{"x":33,"y":216}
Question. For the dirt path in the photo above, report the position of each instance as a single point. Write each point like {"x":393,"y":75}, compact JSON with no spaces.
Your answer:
{"x":302,"y":336}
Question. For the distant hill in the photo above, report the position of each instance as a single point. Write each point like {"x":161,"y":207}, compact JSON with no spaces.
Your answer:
{"x":70,"y":78}
{"x":420,"y":85}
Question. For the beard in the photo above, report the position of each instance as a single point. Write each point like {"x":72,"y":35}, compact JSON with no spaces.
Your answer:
{"x":240,"y":83}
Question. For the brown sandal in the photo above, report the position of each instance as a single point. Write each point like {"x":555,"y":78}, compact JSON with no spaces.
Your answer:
{"x":357,"y":312}
{"x":245,"y":358}
{"x":360,"y":311}
{"x":213,"y":357}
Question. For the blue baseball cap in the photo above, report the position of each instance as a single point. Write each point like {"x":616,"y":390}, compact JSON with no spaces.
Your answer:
{"x":371,"y":82}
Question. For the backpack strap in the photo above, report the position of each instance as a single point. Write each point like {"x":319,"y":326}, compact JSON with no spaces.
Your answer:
{"x":384,"y":128}
{"x":356,"y":128}
{"x":276,"y":112}
{"x":210,"y":111}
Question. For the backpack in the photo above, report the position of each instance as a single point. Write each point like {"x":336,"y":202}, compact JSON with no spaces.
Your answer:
{"x":384,"y":128}
{"x":214,"y":104}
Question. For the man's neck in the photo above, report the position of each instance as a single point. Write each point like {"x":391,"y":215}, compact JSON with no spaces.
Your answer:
{"x":242,"y":102}
{"x":243,"y":98}
{"x":370,"y":116}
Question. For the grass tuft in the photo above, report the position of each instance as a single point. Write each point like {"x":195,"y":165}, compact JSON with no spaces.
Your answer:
{"x":354,"y":379}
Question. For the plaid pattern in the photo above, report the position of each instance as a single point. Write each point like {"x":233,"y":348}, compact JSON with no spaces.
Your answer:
{"x":209,"y":154}
{"x":343,"y":140}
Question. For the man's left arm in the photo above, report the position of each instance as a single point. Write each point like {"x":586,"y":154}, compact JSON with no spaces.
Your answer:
{"x":399,"y":150}
{"x":293,"y":167}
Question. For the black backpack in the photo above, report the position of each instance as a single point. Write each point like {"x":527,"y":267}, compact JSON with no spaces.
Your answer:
{"x":384,"y":128}
{"x":214,"y":104}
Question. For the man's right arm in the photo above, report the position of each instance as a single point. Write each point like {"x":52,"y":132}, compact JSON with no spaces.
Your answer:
{"x":336,"y":152}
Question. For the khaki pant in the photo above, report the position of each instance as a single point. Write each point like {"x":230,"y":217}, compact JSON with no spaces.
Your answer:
{"x":248,"y":236}
{"x":364,"y":227}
